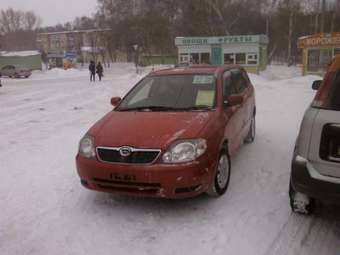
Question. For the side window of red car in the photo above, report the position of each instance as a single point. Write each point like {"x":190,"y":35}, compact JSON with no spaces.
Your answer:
{"x":227,"y":84}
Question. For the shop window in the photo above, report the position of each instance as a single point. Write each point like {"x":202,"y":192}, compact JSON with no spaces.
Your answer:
{"x":337,"y":51}
{"x":205,"y":58}
{"x":240,"y":58}
{"x":252,"y":59}
{"x":326,"y":57}
{"x":184,"y":58}
{"x":319,"y":59}
{"x":229,"y":58}
{"x":194,"y":58}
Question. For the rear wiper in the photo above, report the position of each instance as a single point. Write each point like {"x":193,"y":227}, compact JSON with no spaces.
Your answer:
{"x":149,"y":108}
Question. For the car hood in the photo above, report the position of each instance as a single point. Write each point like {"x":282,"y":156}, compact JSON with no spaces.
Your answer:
{"x":154,"y":130}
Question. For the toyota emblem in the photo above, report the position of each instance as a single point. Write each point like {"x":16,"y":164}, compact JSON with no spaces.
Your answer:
{"x":125,"y":151}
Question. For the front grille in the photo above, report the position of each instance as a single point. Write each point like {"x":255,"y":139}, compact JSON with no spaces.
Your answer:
{"x":330,"y":143}
{"x":137,"y":156}
{"x":127,"y":186}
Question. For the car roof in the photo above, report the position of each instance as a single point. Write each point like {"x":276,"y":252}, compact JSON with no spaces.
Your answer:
{"x":193,"y":69}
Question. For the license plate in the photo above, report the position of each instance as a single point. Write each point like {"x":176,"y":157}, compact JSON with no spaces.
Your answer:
{"x":123,"y":177}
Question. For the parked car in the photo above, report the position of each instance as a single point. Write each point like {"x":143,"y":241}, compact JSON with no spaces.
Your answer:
{"x":315,"y":171}
{"x":15,"y":71}
{"x":172,"y":135}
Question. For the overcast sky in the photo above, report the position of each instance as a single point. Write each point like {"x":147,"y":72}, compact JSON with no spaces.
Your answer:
{"x":53,"y":12}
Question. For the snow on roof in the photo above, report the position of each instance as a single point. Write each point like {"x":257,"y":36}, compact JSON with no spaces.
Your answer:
{"x":19,"y":53}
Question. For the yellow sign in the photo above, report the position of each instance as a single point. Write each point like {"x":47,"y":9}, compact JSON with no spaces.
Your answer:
{"x":205,"y":98}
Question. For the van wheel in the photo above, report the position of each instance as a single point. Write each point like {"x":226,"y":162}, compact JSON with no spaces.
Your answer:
{"x":220,"y":182}
{"x":300,"y":203}
{"x":252,"y":131}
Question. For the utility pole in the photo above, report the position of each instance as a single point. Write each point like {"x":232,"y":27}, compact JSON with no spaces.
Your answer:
{"x":333,"y":21}
{"x":317,"y":14}
{"x":323,"y":16}
{"x":290,"y":35}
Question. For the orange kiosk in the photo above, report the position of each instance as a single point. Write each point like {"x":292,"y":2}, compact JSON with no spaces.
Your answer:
{"x":318,"y":50}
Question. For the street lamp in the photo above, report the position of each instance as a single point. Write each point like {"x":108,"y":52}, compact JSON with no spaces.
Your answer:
{"x":136,"y":48}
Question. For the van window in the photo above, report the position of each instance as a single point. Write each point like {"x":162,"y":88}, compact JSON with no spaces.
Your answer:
{"x":333,"y":100}
{"x":328,"y":96}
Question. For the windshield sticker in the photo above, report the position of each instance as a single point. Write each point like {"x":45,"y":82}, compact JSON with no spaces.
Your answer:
{"x":203,"y":79}
{"x":205,"y":98}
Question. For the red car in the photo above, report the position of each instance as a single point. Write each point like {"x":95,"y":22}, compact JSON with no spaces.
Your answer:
{"x":172,"y":135}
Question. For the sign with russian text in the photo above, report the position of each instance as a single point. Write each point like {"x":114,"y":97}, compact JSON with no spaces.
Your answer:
{"x":234,"y":39}
{"x":319,"y":40}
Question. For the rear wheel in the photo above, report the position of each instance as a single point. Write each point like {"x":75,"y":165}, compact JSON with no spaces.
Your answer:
{"x":301,"y":203}
{"x":220,"y":182}
{"x":252,"y":131}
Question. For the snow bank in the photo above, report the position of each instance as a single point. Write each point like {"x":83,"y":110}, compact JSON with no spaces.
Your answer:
{"x":279,"y":72}
{"x":44,"y":209}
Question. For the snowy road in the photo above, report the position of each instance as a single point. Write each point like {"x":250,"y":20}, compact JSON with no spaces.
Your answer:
{"x":44,"y":210}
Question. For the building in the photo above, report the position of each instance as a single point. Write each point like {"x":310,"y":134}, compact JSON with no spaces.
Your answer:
{"x":249,"y":51}
{"x":28,"y":59}
{"x":318,"y":50}
{"x":63,"y":49}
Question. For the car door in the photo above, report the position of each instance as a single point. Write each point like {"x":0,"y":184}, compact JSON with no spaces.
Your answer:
{"x":247,"y":91}
{"x":4,"y":71}
{"x":233,"y":115}
{"x":8,"y":71}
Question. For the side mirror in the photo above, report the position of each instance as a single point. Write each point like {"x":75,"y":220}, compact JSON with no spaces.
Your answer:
{"x":316,"y":84}
{"x":115,"y":101}
{"x":234,"y":100}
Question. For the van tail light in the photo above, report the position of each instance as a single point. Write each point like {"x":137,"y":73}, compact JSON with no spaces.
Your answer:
{"x":323,"y":92}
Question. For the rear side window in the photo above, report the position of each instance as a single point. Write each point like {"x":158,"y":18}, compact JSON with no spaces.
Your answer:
{"x":328,"y":96}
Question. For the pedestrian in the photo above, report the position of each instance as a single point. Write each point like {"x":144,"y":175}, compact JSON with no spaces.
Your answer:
{"x":0,"y":80}
{"x":92,"y":69}
{"x":100,"y":70}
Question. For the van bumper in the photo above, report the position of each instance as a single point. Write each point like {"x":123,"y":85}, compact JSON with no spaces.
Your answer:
{"x":307,"y":180}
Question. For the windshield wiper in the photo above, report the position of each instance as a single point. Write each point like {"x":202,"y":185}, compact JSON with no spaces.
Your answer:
{"x":167,"y":108}
{"x":149,"y":108}
{"x":197,"y":108}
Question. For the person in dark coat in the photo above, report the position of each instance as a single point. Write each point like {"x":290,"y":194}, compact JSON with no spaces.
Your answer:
{"x":92,"y":69}
{"x":100,"y":70}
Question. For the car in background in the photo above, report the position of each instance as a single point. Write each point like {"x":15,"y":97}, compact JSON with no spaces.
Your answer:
{"x":315,"y":173}
{"x":15,"y":71}
{"x":172,"y":135}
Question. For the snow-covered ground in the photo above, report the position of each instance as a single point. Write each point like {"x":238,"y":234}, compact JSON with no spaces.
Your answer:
{"x":44,"y":210}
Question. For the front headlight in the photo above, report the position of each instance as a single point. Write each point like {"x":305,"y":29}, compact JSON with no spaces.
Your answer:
{"x":185,"y":151}
{"x":86,"y":147}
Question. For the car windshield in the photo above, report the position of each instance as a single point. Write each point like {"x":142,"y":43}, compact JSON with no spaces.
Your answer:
{"x":172,"y":93}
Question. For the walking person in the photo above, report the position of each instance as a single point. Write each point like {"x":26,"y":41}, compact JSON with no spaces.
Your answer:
{"x":92,"y":69}
{"x":100,"y":70}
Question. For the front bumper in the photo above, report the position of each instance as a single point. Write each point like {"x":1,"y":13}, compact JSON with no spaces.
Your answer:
{"x":154,"y":180}
{"x":307,"y":180}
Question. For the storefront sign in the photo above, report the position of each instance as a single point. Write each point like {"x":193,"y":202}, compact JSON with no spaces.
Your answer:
{"x":319,"y":40}
{"x":221,"y":40}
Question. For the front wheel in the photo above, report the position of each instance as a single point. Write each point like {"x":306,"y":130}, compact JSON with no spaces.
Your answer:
{"x":220,"y":182}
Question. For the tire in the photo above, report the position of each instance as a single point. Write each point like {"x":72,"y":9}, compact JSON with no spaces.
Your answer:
{"x":221,"y":180}
{"x":300,"y":203}
{"x":252,"y":131}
